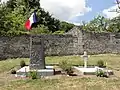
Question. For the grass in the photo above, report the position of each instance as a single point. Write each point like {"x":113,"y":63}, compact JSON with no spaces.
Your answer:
{"x":11,"y":63}
{"x":112,"y":60}
{"x":8,"y":82}
{"x":64,"y":83}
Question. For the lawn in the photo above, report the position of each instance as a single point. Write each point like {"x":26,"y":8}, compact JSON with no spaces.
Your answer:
{"x":9,"y":82}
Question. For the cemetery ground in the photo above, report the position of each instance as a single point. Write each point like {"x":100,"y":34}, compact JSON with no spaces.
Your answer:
{"x":62,"y":82}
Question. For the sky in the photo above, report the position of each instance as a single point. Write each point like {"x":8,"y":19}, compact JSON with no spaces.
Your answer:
{"x":76,"y":11}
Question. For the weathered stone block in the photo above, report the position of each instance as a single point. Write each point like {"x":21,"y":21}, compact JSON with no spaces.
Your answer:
{"x":37,"y":58}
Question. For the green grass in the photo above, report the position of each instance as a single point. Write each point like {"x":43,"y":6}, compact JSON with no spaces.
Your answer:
{"x":11,"y":63}
{"x":64,"y":83}
{"x":8,"y":82}
{"x":111,"y":59}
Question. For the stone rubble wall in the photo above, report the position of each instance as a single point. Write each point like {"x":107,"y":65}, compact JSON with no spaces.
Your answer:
{"x":101,"y":43}
{"x":14,"y":47}
{"x":73,"y":42}
{"x":19,"y":46}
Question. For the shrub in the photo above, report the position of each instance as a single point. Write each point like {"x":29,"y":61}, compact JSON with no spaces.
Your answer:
{"x":13,"y":71}
{"x":67,"y":67}
{"x":22,"y":63}
{"x":100,"y":73}
{"x":100,"y":63}
{"x":33,"y":74}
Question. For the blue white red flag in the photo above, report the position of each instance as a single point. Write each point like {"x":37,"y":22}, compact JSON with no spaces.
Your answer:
{"x":30,"y":21}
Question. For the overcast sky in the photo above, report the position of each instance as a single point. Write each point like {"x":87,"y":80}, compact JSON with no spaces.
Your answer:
{"x":76,"y":11}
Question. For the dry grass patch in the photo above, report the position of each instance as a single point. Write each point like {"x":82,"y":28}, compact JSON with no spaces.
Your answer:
{"x":64,"y":83}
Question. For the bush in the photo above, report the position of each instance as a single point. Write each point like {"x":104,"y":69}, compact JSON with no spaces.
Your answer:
{"x":101,"y":73}
{"x":67,"y":67}
{"x":13,"y":71}
{"x":100,"y":63}
{"x":22,"y":63}
{"x":33,"y":74}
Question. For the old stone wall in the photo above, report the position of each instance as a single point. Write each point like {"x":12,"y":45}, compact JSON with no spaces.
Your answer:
{"x":60,"y":44}
{"x":14,"y":47}
{"x":72,"y":43}
{"x":99,"y":43}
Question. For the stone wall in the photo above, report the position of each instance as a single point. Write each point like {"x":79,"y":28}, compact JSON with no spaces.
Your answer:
{"x":60,"y":44}
{"x":72,"y":43}
{"x":99,"y":43}
{"x":96,"y":43}
{"x":15,"y":47}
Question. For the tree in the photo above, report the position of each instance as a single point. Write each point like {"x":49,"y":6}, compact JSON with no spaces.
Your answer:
{"x":64,"y":26}
{"x":14,"y":13}
{"x":118,"y":3}
{"x":98,"y":24}
{"x":114,"y":25}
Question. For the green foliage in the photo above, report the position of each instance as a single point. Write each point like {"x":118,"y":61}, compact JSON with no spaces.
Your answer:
{"x":102,"y":24}
{"x":33,"y":74}
{"x":100,"y":73}
{"x":59,"y":32}
{"x":22,"y":63}
{"x":40,"y":30}
{"x":66,"y":26}
{"x":67,"y":67}
{"x":13,"y":71}
{"x":14,"y":13}
{"x":98,"y":24}
{"x":114,"y":25}
{"x":100,"y":63}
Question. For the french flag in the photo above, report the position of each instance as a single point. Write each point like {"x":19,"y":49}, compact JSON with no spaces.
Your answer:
{"x":30,"y":21}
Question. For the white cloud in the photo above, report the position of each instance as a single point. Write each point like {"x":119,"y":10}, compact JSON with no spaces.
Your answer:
{"x":110,"y":12}
{"x":65,"y":9}
{"x":4,"y":0}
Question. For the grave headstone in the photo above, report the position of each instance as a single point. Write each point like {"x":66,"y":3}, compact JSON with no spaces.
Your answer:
{"x":37,"y":58}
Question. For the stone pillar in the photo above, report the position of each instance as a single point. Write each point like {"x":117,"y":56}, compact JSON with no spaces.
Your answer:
{"x":37,"y":59}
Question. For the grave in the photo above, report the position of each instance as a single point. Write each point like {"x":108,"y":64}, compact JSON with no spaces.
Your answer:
{"x":85,"y":58}
{"x":37,"y":59}
{"x":90,"y":70}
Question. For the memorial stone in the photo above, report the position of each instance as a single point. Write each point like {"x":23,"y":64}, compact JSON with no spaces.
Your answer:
{"x":37,"y":57}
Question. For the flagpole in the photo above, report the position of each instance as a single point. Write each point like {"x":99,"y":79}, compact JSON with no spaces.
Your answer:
{"x":30,"y":36}
{"x":30,"y":43}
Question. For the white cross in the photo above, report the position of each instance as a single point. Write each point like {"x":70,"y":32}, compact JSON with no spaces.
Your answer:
{"x":85,"y":58}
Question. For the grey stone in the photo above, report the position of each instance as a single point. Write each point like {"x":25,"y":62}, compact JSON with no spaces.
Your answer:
{"x":37,"y":58}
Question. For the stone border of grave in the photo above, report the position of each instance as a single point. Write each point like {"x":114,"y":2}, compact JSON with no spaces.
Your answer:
{"x":91,"y":70}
